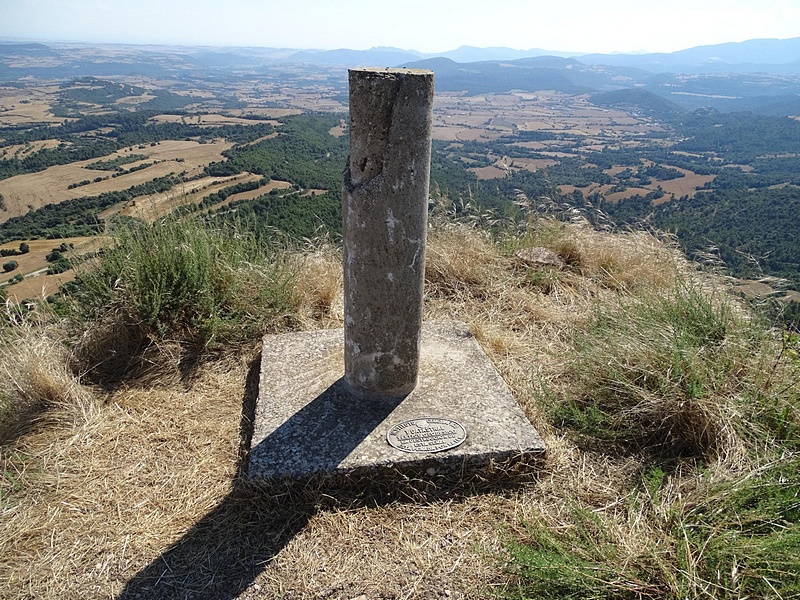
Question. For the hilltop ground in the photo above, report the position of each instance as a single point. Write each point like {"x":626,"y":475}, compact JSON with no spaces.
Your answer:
{"x":657,"y":394}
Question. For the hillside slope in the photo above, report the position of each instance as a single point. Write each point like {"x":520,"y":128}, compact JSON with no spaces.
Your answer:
{"x":657,"y":394}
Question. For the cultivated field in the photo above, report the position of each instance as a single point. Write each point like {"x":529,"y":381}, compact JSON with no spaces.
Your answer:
{"x":458,"y":117}
{"x":274,"y":184}
{"x":27,"y":107}
{"x":38,"y":286}
{"x":149,"y":208}
{"x":30,"y":191}
{"x":33,"y":266}
{"x":23,"y":150}
{"x":673,"y":188}
{"x":211,"y":120}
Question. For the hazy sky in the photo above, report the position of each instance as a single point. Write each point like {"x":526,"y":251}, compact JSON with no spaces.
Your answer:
{"x":424,"y":25}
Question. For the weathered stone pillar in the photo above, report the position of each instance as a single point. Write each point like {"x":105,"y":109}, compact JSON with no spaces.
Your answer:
{"x":385,"y":215}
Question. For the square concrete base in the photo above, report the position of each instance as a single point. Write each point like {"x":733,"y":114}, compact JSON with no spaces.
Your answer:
{"x":308,"y":425}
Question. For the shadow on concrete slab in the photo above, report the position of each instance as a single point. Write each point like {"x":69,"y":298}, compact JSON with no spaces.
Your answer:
{"x":320,"y":435}
{"x":221,"y":556}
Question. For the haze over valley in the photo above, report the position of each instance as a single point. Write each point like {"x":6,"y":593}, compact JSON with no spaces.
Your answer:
{"x":702,"y":142}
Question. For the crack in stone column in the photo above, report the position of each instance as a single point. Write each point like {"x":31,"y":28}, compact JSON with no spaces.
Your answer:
{"x":384,"y":211}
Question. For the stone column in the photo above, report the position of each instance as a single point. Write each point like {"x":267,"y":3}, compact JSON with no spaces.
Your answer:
{"x":385,"y":217}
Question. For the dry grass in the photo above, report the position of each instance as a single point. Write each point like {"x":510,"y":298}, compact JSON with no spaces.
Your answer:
{"x":140,"y":496}
{"x":320,"y":297}
{"x":112,"y":491}
{"x":36,"y":379}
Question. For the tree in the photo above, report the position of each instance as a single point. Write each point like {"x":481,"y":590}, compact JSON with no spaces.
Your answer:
{"x":24,"y":248}
{"x":10,"y":266}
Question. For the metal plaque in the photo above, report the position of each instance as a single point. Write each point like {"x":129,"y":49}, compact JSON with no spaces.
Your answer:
{"x":426,"y":435}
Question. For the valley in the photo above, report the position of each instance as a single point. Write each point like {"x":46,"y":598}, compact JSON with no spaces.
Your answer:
{"x":168,"y":132}
{"x":617,"y":233}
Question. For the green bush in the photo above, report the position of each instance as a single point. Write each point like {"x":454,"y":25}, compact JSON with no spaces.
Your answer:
{"x":668,"y":373}
{"x":59,"y":266}
{"x":180,"y":281}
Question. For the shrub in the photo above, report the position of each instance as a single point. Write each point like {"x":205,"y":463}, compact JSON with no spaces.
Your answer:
{"x":178,"y":281}
{"x":671,"y":373}
{"x":59,"y":266}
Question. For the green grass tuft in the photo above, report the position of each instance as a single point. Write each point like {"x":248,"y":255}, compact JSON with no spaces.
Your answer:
{"x":663,"y":372}
{"x":741,"y":540}
{"x":178,"y":281}
{"x":705,"y":398}
{"x":580,"y":562}
{"x":744,"y":539}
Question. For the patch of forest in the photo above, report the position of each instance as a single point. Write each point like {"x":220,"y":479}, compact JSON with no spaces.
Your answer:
{"x":747,"y":213}
{"x":98,"y":136}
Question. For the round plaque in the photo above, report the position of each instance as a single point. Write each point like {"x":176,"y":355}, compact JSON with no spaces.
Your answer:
{"x":426,"y":435}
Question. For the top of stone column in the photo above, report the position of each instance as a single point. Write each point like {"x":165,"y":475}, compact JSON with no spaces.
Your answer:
{"x":382,"y":100}
{"x":392,"y":70}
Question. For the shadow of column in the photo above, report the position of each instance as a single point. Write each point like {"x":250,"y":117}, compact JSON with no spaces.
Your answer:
{"x":223,"y":553}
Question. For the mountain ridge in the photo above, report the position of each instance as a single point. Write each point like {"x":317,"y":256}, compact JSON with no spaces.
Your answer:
{"x":770,"y":54}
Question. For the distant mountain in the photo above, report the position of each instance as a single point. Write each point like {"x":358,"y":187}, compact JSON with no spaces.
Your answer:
{"x":10,"y":49}
{"x":374,"y":57}
{"x":660,"y":95}
{"x":761,"y":76}
{"x":392,"y":57}
{"x":530,"y":74}
{"x":767,"y":55}
{"x":752,"y":56}
{"x":474,"y":54}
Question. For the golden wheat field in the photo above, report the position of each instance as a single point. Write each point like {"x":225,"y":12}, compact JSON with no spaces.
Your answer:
{"x":31,"y":191}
